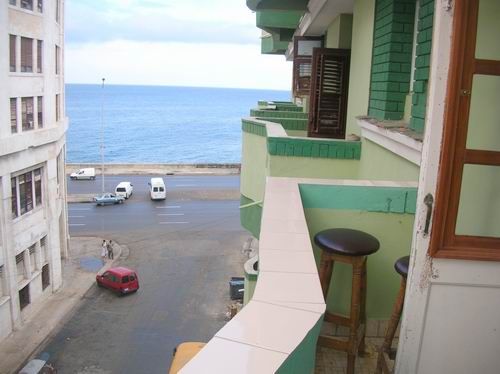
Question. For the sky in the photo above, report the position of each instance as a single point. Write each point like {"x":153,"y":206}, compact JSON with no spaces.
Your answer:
{"x":205,"y":43}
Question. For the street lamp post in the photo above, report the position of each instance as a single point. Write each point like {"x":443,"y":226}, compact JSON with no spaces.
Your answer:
{"x":102,"y":136}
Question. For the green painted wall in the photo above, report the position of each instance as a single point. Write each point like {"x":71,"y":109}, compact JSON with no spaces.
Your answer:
{"x":422,"y":64}
{"x":304,"y":167}
{"x":394,"y":232}
{"x":380,"y":164}
{"x":392,"y":56}
{"x":251,"y":216}
{"x":253,"y":166}
{"x":361,"y":57}
{"x":300,"y":133}
{"x":339,"y":33}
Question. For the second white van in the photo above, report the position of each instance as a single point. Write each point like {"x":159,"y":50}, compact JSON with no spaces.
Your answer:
{"x":124,"y":189}
{"x":157,"y":189}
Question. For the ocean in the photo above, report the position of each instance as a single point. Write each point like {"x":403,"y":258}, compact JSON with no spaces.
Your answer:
{"x":159,"y":124}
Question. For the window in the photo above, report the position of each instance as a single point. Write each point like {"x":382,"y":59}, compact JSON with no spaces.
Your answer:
{"x":39,"y":56}
{"x":27,"y":113}
{"x":43,"y":249}
{"x":125,"y":279}
{"x":12,"y":2}
{"x":13,"y":199}
{"x":12,"y":52}
{"x":26,"y":192}
{"x":39,"y":6}
{"x":24,"y":297}
{"x":58,"y":57}
{"x":58,"y":11}
{"x":39,"y":103}
{"x":26,"y":55}
{"x":27,"y":4}
{"x":38,"y":186}
{"x":21,"y":270}
{"x":45,"y":276}
{"x":32,"y":251}
{"x":13,"y":115}
{"x":57,"y":108}
{"x":302,"y":67}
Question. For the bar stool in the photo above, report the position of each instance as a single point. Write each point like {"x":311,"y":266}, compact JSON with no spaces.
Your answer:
{"x":350,"y":247}
{"x":385,"y":355}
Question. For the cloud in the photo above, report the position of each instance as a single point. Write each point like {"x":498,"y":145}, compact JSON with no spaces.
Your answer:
{"x":188,"y":21}
{"x":176,"y":64}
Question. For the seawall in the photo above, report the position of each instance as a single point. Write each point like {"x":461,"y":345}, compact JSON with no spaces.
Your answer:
{"x":175,"y":169}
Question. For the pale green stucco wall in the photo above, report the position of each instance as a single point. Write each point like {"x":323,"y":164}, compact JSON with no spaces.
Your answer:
{"x":394,"y":232}
{"x":361,"y":58}
{"x":339,"y":33}
{"x":253,"y":166}
{"x":308,"y":167}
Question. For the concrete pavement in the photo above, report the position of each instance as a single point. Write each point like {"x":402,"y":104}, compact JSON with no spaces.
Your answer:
{"x":78,"y":276}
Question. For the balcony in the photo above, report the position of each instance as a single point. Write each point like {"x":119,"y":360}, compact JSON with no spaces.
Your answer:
{"x":278,"y":328}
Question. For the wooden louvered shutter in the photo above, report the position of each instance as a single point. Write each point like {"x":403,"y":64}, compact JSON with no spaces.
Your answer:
{"x":26,"y":55}
{"x":302,"y":58}
{"x":329,"y":90}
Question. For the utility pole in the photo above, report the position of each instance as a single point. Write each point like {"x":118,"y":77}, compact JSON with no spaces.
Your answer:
{"x":102,"y":136}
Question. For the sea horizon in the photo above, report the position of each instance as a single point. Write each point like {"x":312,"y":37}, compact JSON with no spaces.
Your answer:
{"x":159,"y":124}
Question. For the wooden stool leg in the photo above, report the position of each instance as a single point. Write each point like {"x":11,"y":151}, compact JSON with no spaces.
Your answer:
{"x":325,"y":272}
{"x":357,"y":271}
{"x":364,"y":284}
{"x":391,"y":327}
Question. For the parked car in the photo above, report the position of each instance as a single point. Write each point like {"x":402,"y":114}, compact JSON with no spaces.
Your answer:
{"x":119,"y":279}
{"x":108,"y":198}
{"x":157,"y":189}
{"x":183,"y":353}
{"x":124,"y":189}
{"x":86,"y":173}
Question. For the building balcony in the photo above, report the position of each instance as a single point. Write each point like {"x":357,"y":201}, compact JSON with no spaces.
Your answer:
{"x":278,"y":328}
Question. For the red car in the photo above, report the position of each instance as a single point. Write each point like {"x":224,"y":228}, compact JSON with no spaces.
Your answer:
{"x":119,"y":279}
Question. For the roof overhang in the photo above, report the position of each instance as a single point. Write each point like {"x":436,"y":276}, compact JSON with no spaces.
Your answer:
{"x":277,"y":4}
{"x":321,"y":14}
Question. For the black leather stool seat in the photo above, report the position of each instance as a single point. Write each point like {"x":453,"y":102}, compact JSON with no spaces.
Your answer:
{"x":347,"y":242}
{"x":401,"y":266}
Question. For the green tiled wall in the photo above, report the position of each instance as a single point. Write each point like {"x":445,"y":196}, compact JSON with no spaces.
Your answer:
{"x":349,"y":150}
{"x":391,"y":62}
{"x":422,"y":64}
{"x":277,"y":114}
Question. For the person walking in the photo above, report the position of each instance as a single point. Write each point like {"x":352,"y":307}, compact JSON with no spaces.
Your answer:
{"x":104,"y":250}
{"x":110,"y":250}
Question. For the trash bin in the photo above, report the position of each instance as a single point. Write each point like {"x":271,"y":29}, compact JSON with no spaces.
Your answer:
{"x":236,"y":288}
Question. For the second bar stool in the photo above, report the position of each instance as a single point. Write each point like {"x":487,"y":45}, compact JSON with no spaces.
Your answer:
{"x":350,"y":247}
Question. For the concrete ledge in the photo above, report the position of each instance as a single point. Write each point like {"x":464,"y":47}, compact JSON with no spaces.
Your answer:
{"x":142,"y":169}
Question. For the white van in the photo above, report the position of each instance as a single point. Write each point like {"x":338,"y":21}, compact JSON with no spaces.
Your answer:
{"x":124,"y":189}
{"x":157,"y":189}
{"x":86,"y":173}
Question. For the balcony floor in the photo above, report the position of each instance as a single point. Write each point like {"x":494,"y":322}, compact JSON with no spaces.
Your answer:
{"x":335,"y":362}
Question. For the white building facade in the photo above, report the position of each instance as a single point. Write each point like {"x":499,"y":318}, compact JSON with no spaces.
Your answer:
{"x":33,"y":218}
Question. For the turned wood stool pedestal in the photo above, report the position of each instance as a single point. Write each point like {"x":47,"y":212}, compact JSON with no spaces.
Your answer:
{"x":350,"y":247}
{"x":385,"y":355}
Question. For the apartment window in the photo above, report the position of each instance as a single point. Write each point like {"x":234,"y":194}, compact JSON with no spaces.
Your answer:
{"x":37,"y":174}
{"x":12,"y":52}
{"x":58,"y":56}
{"x":27,"y":113}
{"x":27,"y":4}
{"x":32,"y":251}
{"x":24,"y":297}
{"x":58,"y":107}
{"x":39,"y":55}
{"x":45,"y":276}
{"x":13,"y":115}
{"x":58,"y":10}
{"x":13,"y":199}
{"x":12,"y":2}
{"x":2,"y":292}
{"x":39,"y":103}
{"x":26,"y":55}
{"x":26,"y":192}
{"x":39,"y":6}
{"x":21,"y":270}
{"x":43,"y":249}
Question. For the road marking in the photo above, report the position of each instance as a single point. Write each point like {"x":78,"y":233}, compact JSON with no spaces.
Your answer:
{"x":169,"y":223}
{"x":170,"y":214}
{"x":168,"y":207}
{"x":77,"y":224}
{"x":76,"y":216}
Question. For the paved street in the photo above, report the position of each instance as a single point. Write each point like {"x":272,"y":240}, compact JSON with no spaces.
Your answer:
{"x":185,"y":249}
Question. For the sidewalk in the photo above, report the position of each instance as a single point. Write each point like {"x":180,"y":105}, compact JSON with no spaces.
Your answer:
{"x":78,"y":276}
